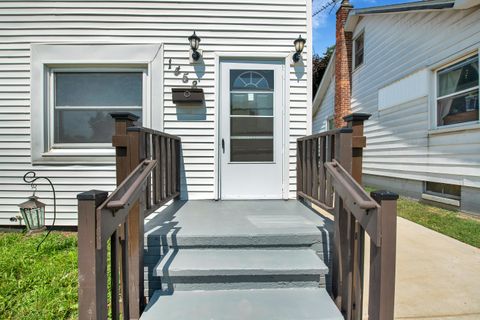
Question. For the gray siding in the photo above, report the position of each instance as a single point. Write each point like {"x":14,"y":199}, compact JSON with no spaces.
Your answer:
{"x":325,"y":111}
{"x":241,"y":26}
{"x":400,"y":143}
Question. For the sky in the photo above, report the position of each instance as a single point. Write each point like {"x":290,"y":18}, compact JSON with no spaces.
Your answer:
{"x":324,"y":22}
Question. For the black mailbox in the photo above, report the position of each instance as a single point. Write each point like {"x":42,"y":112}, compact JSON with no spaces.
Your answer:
{"x":187,"y":95}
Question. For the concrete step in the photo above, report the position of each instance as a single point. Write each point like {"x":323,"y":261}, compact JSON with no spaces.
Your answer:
{"x":240,"y":268}
{"x":232,"y":262}
{"x":261,"y":304}
{"x":235,"y":224}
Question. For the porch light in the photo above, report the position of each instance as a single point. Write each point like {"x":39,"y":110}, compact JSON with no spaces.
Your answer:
{"x":194,"y":45}
{"x":299,"y":44}
{"x":33,"y":213}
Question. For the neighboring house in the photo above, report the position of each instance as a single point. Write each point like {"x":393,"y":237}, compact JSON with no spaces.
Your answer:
{"x":414,"y":68}
{"x":64,"y":66}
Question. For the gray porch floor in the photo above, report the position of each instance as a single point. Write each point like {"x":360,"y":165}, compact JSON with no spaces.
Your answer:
{"x":235,"y":223}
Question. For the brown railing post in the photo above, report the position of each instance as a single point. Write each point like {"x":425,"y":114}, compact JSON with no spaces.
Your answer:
{"x":130,"y":151}
{"x":92,"y":263}
{"x":120,"y":140}
{"x":340,"y":272}
{"x":135,"y":232}
{"x":355,"y":121}
{"x":123,"y":121}
{"x":382,"y":260}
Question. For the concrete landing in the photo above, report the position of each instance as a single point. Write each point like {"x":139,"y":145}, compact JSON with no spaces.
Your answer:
{"x":235,"y":223}
{"x":261,"y":304}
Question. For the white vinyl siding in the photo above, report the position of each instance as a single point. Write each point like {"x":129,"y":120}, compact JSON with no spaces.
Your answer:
{"x":399,"y":140}
{"x":265,"y":26}
{"x":397,"y":88}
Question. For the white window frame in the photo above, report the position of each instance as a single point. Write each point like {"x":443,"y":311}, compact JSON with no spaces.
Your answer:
{"x":354,"y":49}
{"x":435,"y":99}
{"x":48,"y":58}
{"x":330,"y":119}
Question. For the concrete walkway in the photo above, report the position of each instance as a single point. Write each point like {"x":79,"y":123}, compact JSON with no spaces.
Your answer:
{"x":437,"y":277}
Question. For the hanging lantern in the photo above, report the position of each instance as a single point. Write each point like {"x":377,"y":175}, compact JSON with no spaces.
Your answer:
{"x":33,"y":213}
{"x":33,"y":210}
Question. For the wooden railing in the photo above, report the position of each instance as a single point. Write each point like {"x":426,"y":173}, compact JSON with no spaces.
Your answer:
{"x":329,"y":171}
{"x":148,"y":176}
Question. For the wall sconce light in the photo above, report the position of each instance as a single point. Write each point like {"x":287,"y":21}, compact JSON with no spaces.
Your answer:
{"x":194,"y":40}
{"x":299,"y":44}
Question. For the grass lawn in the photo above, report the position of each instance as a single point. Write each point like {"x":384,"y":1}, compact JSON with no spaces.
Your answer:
{"x":38,"y":285}
{"x":447,"y":222}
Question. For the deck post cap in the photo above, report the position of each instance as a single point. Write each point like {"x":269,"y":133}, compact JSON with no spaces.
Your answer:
{"x":357,"y":116}
{"x":93,"y":195}
{"x":124,"y":115}
{"x":380,"y":195}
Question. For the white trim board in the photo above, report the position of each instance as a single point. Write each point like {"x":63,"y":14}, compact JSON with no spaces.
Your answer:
{"x":45,"y":56}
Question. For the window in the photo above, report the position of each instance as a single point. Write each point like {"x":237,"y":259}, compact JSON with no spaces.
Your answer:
{"x":358,"y":48}
{"x":74,"y":87}
{"x":251,"y":115}
{"x":457,"y":92}
{"x":444,"y":193}
{"x":330,"y":123}
{"x":83,"y":100}
{"x":443,"y":189}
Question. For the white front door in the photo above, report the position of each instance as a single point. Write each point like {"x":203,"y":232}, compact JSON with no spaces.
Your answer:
{"x":251,"y":130}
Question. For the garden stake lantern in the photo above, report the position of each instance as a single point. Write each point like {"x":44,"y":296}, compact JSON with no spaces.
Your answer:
{"x":33,"y":210}
{"x":33,"y":213}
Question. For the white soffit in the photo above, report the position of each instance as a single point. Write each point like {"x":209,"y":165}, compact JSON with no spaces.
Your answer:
{"x":404,"y":90}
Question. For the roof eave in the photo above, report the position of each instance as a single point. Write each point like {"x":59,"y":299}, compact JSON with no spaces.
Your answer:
{"x":423,"y":6}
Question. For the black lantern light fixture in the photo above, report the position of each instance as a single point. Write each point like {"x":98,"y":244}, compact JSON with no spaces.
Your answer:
{"x":194,"y":45}
{"x":33,"y":213}
{"x":299,"y":44}
{"x":33,"y":210}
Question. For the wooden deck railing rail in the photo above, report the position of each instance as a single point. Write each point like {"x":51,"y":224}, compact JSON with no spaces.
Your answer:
{"x":148,"y":176}
{"x":329,"y":171}
{"x":312,"y":152}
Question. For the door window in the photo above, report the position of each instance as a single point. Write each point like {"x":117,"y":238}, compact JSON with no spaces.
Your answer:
{"x":251,"y":116}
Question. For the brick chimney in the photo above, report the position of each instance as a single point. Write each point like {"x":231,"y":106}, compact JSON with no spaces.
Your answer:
{"x":343,"y":65}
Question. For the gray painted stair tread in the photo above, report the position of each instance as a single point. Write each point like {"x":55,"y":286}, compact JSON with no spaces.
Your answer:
{"x":230,"y":223}
{"x":264,"y":304}
{"x":228,"y":262}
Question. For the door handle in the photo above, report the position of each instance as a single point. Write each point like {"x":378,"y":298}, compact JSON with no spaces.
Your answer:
{"x":223,"y":145}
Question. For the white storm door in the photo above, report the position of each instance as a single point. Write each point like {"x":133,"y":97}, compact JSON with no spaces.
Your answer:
{"x":251,"y":131}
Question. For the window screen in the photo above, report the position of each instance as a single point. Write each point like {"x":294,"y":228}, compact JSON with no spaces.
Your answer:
{"x":83,"y":102}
